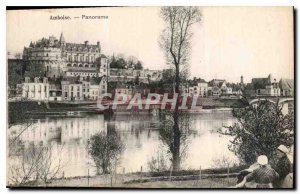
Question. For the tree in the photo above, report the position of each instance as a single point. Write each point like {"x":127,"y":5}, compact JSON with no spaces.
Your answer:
{"x":34,"y":163}
{"x":176,"y":43}
{"x":260,"y":130}
{"x":131,"y":61}
{"x":139,"y":65}
{"x":105,"y":150}
{"x":167,"y":133}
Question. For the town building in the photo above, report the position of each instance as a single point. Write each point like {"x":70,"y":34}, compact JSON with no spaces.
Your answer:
{"x":35,"y":89}
{"x":200,"y":89}
{"x":134,"y":75}
{"x":266,"y":86}
{"x":217,"y":87}
{"x":81,"y":88}
{"x":55,"y":91}
{"x":287,"y":87}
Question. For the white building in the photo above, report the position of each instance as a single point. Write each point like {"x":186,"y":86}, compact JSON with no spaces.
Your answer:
{"x":37,"y":89}
{"x":200,"y":89}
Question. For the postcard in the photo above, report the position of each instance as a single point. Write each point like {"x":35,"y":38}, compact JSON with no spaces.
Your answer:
{"x":150,"y":97}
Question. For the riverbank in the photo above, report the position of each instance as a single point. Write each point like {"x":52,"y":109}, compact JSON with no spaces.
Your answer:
{"x":100,"y":182}
{"x":205,"y":104}
{"x":208,"y":178}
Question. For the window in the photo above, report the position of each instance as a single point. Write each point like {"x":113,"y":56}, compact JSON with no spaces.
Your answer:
{"x":87,"y":59}
{"x":69,"y":58}
{"x":78,"y":88}
{"x":78,"y":94}
{"x":72,"y":88}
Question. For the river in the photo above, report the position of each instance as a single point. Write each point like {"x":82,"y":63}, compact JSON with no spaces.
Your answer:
{"x":206,"y":147}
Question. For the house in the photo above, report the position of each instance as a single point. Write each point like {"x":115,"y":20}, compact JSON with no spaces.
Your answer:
{"x":83,"y":88}
{"x":122,"y":88}
{"x":266,"y":86}
{"x":97,"y":87}
{"x":198,"y":87}
{"x":217,"y":87}
{"x":36,"y":89}
{"x":216,"y":91}
{"x":71,"y":89}
{"x":287,"y":87}
{"x":55,"y":91}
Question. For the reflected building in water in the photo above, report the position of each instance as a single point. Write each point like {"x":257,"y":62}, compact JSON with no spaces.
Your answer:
{"x":139,"y":134}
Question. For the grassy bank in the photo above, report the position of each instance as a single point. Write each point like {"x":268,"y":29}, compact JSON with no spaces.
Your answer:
{"x":22,"y":111}
{"x":125,"y":181}
{"x":215,"y":103}
{"x":210,"y":178}
{"x":105,"y":183}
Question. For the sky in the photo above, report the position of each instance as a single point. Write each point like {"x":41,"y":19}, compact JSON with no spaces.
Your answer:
{"x":227,"y":43}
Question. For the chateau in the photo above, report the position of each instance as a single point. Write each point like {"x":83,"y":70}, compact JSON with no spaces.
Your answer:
{"x":52,"y":69}
{"x":53,"y":58}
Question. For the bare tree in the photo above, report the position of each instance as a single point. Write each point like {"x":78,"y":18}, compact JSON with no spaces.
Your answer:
{"x":35,"y":163}
{"x":176,"y":43}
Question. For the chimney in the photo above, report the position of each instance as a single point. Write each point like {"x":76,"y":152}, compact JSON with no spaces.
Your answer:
{"x":86,"y":42}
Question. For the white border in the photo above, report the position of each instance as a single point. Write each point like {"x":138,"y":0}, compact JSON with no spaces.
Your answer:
{"x":107,"y":3}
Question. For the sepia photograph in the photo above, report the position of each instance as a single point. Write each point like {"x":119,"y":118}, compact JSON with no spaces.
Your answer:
{"x":150,"y":97}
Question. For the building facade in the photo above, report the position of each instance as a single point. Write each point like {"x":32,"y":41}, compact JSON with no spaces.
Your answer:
{"x":52,"y":57}
{"x":266,"y":86}
{"x":36,"y":89}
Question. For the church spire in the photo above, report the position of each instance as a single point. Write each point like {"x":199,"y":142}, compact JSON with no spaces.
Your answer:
{"x":62,"y":39}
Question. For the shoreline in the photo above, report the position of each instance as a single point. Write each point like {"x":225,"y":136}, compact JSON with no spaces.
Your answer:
{"x":137,"y":179}
{"x":76,"y":109}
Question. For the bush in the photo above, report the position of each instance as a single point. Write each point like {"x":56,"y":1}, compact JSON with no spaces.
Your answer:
{"x":260,"y":130}
{"x":105,"y":150}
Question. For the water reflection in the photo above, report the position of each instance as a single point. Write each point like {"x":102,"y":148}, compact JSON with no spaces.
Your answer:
{"x":139,"y":134}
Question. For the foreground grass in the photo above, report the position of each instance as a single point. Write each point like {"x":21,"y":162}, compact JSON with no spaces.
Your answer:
{"x":105,"y":181}
{"x":204,"y":183}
